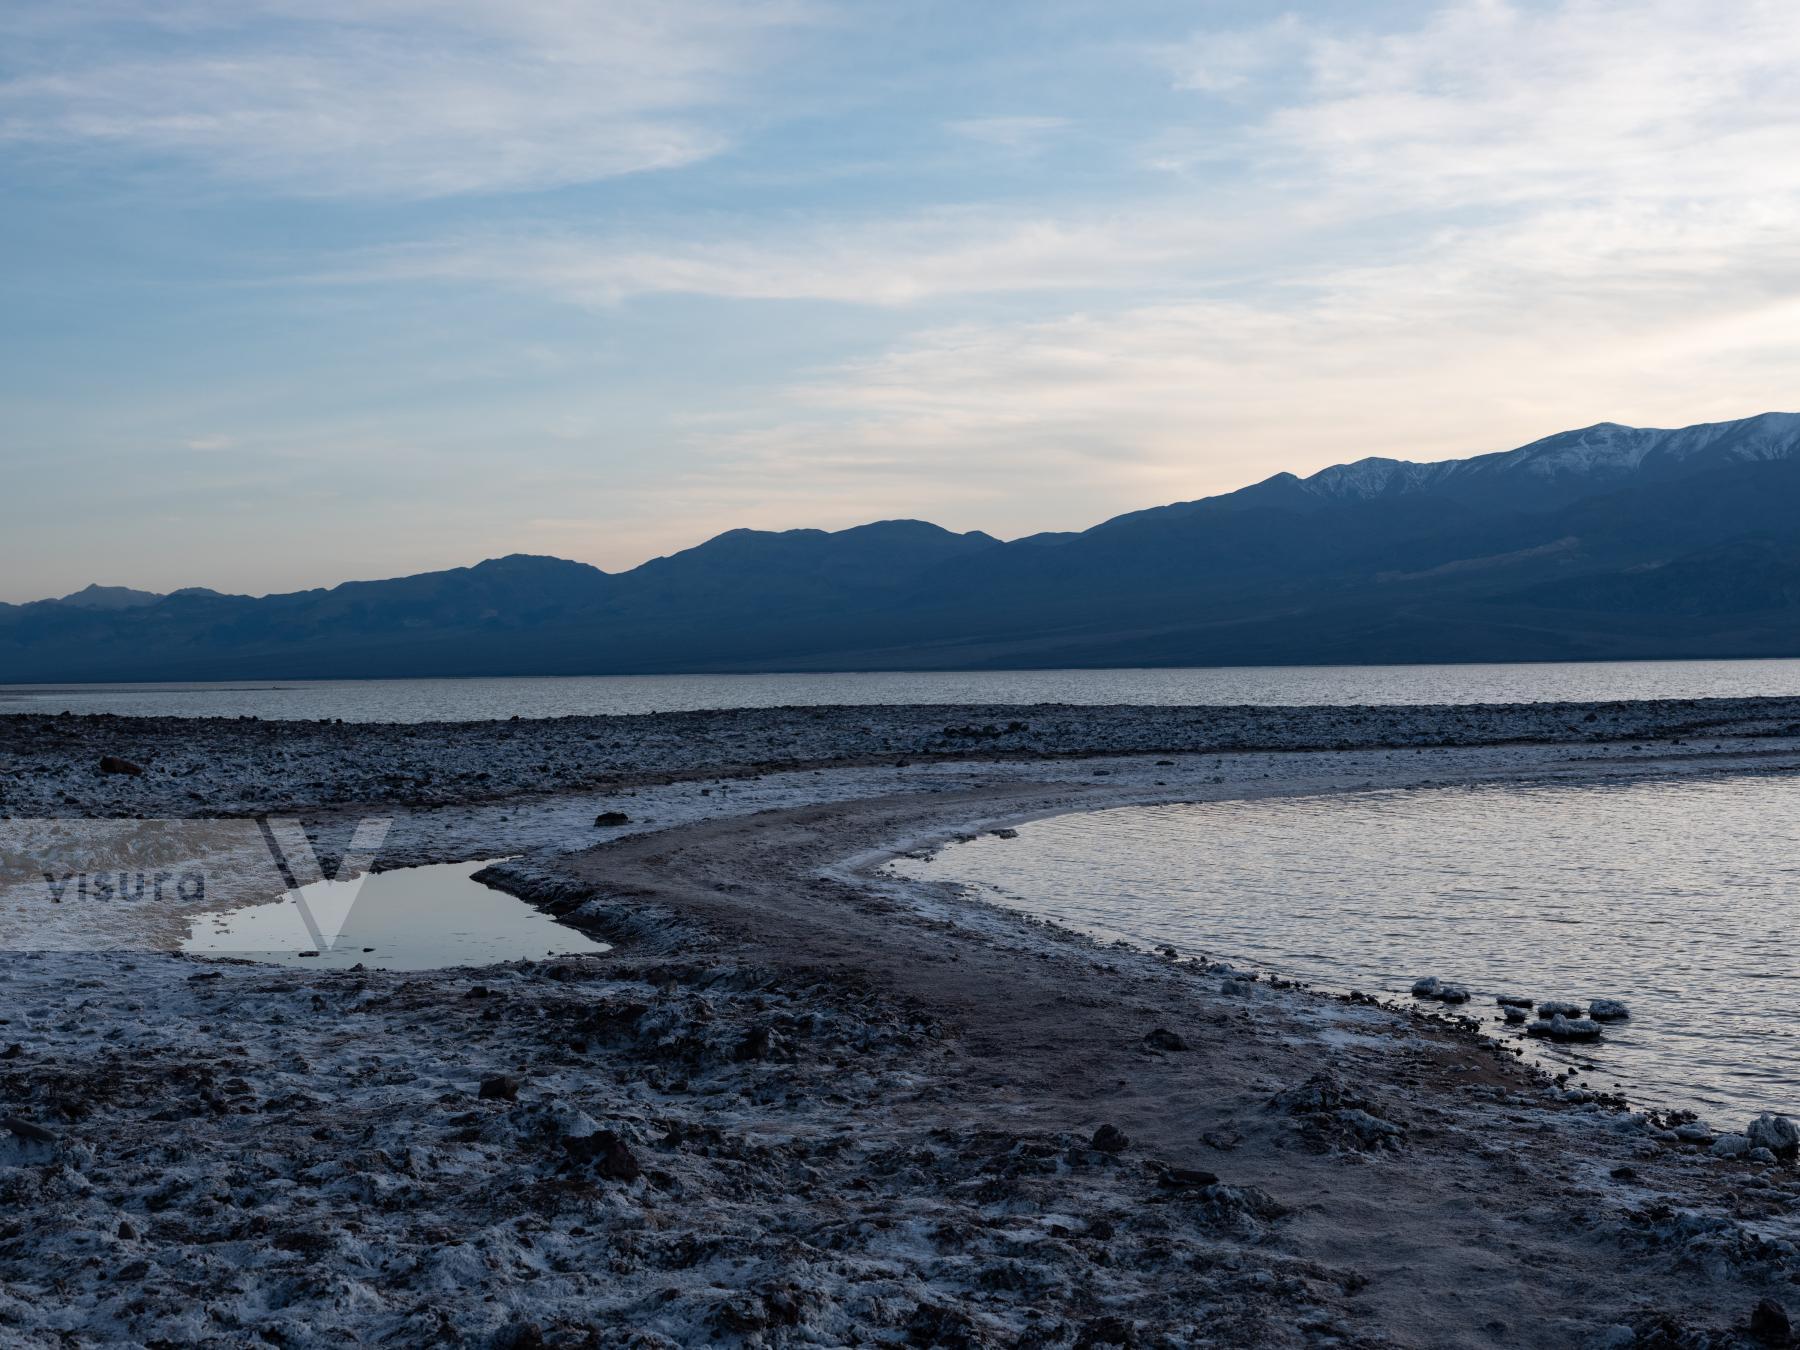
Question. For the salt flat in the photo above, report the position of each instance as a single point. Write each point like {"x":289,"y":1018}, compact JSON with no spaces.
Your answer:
{"x":804,"y":1102}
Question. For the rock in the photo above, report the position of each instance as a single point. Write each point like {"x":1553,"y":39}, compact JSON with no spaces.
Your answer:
{"x":1730,"y":1146}
{"x":1561,"y":1028}
{"x":1369,"y":1131}
{"x":1106,"y":1331}
{"x":1515,"y":1014}
{"x":1769,"y":1323}
{"x":758,"y":1043}
{"x":608,"y":820}
{"x":606,"y":1152}
{"x":1778,"y":1134}
{"x":1513,"y":1001}
{"x":1110,"y":1139}
{"x":1761,"y":1156}
{"x":25,"y":1129}
{"x":1182,"y":1178}
{"x":1331,"y":1114}
{"x":1163,"y":1039}
{"x":1558,"y":1008}
{"x":1608,"y":1010}
{"x":1234,"y":989}
{"x":113,"y":764}
{"x":1694,"y":1132}
{"x":1432,"y":987}
{"x":502,"y":1087}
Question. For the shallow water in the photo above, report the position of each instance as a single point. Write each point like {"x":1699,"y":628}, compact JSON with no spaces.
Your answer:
{"x":475,"y":699}
{"x":412,"y":918}
{"x":1680,"y":898}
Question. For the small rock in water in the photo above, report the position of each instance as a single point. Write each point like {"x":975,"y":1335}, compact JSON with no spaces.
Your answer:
{"x":1514,"y":1014}
{"x":1513,"y":1001}
{"x":1608,"y":1010}
{"x":1558,"y":1008}
{"x":1778,"y":1134}
{"x":1432,"y":987}
{"x":1164,"y":1039}
{"x":1110,"y":1139}
{"x":1694,"y":1132}
{"x":1560,"y":1028}
{"x":607,"y":820}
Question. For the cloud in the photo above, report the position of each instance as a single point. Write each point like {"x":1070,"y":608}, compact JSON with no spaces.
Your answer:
{"x":1478,"y":344}
{"x":1228,"y":61}
{"x":926,"y":255}
{"x":1494,"y":104}
{"x":387,"y":97}
{"x":1024,"y":134}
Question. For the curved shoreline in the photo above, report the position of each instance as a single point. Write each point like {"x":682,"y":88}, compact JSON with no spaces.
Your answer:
{"x":1007,"y":1070}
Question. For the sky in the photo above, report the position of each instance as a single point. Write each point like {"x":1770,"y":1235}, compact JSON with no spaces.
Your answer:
{"x":299,"y":291}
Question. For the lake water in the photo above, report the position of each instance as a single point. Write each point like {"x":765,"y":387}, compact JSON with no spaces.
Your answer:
{"x":412,"y":918}
{"x":478,"y":699}
{"x":1680,"y":898}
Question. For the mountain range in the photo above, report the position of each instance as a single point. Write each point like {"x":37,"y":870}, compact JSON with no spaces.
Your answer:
{"x":1607,"y":542}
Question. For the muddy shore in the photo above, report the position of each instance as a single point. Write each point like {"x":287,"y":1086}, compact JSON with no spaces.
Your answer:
{"x":804,"y":1103}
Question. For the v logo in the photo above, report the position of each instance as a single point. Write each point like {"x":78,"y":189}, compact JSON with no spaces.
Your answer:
{"x":324,"y":903}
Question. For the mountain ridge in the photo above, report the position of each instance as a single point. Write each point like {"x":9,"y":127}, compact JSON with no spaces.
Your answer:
{"x":1602,"y":541}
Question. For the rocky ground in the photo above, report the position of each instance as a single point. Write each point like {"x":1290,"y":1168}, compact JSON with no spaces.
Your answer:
{"x":49,"y":765}
{"x":806,"y":1103}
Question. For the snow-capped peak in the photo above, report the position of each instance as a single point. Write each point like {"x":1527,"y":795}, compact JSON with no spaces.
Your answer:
{"x":1603,"y":451}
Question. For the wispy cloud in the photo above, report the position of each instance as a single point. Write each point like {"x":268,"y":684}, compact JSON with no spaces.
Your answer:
{"x":1505,"y":220}
{"x":387,"y":97}
{"x":1230,"y":60}
{"x":1490,"y":103}
{"x":1019,"y":133}
{"x":922,"y":256}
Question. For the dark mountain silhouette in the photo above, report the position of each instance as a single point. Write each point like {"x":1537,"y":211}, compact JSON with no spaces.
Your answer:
{"x":1601,"y":543}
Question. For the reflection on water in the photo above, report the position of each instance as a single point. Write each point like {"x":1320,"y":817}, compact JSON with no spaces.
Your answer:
{"x":478,"y":699}
{"x":412,"y":918}
{"x":1680,"y":898}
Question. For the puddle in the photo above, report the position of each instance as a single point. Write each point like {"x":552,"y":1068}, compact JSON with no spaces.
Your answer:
{"x":412,"y":918}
